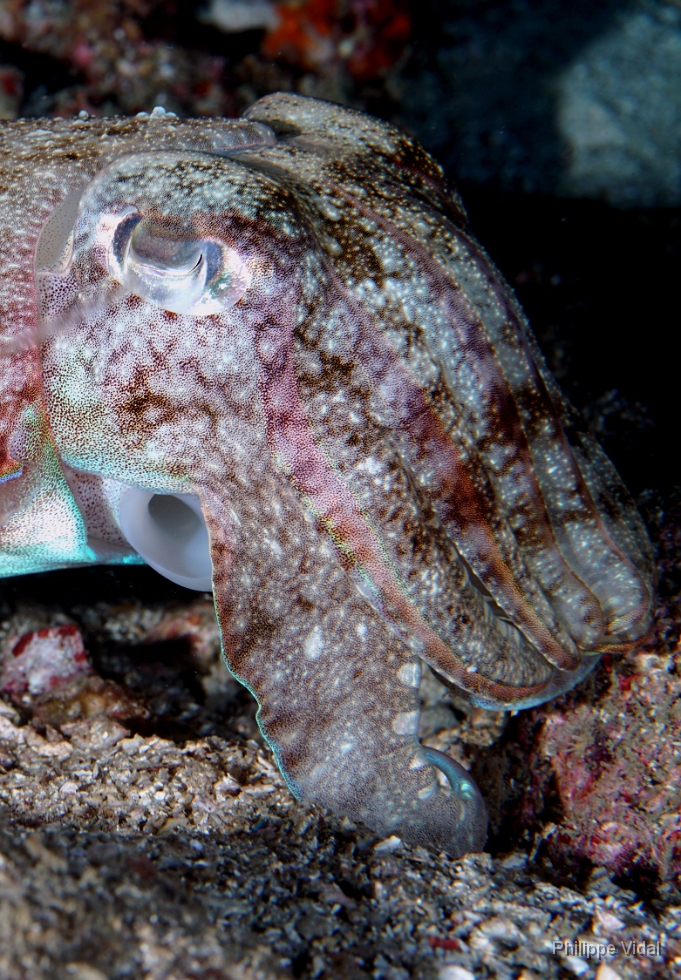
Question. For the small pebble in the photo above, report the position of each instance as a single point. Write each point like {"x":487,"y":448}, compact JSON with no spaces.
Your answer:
{"x":453,"y":972}
{"x":390,"y":844}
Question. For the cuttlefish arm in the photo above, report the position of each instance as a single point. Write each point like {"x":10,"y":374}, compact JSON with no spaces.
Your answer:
{"x":337,"y":689}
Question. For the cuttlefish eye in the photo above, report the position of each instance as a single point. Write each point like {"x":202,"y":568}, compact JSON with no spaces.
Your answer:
{"x":178,"y":272}
{"x":159,"y":255}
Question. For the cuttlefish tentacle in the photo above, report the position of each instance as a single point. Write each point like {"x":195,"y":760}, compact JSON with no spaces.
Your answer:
{"x":596,"y":590}
{"x":555,"y":433}
{"x":431,"y":450}
{"x":490,"y":404}
{"x":335,"y":506}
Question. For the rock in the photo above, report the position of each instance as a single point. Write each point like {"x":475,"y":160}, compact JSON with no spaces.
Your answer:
{"x":592,"y":780}
{"x":47,"y":674}
{"x":41,"y":660}
{"x":85,"y":697}
{"x":577,"y":99}
{"x":11,"y":91}
{"x":596,"y":775}
{"x":113,"y":67}
{"x":325,"y":36}
{"x":619,"y":111}
{"x":233,"y":16}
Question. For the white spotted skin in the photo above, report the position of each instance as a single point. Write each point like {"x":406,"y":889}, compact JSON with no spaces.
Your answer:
{"x":288,"y":316}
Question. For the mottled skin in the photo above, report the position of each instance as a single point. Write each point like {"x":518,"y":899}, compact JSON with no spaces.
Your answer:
{"x":387,"y":470}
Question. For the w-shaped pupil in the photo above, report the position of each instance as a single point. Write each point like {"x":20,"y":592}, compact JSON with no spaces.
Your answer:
{"x":174,"y":255}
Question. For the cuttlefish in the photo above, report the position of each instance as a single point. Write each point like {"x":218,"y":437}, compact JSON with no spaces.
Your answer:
{"x":268,"y":357}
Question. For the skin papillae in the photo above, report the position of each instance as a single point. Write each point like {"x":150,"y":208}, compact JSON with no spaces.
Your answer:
{"x":288,"y":316}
